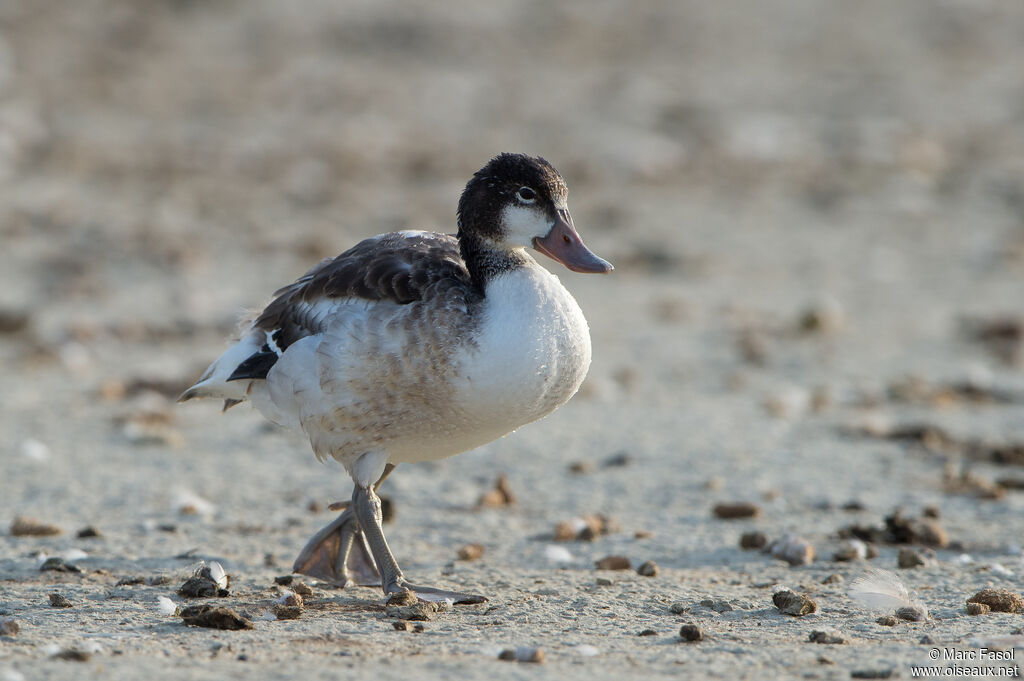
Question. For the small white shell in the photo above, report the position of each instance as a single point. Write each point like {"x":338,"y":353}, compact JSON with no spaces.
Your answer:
{"x":218,"y":575}
{"x":166,"y":606}
{"x":35,"y":450}
{"x":557,"y":554}
{"x":189,"y":503}
{"x":1000,"y":569}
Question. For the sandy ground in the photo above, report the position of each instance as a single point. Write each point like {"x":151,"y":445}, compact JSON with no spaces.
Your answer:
{"x":809,"y":204}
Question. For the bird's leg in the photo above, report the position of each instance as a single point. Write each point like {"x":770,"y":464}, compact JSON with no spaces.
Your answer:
{"x":338,"y":554}
{"x":366,"y":505}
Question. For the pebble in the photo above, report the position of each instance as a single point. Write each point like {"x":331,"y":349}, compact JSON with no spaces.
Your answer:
{"x":187,"y":502}
{"x":603,"y":581}
{"x":788,"y":402}
{"x":978,"y":609}
{"x":148,"y":427}
{"x":471,"y":552}
{"x":678,"y":608}
{"x":420,"y":611}
{"x":402,"y":598}
{"x":523,"y":654}
{"x":72,"y":655}
{"x":60,"y":601}
{"x":581,"y":467}
{"x":204,"y":583}
{"x":793,"y":549}
{"x":302,"y":589}
{"x":912,"y":613}
{"x":824,"y":316}
{"x":718,"y":605}
{"x":648,"y":632}
{"x":618,"y":460}
{"x":287,"y":612}
{"x":851,"y":549}
{"x":736,"y":509}
{"x":55,"y":564}
{"x":871,"y":673}
{"x":648,"y":569}
{"x":753,"y":348}
{"x":834,"y":578}
{"x":587,"y":528}
{"x":826,"y":637}
{"x":500,"y":495}
{"x":9,"y":627}
{"x":284,"y":580}
{"x":691,"y":633}
{"x":613,"y":563}
{"x":291,"y":599}
{"x":88,"y":533}
{"x":887,"y":621}
{"x":30,"y":527}
{"x":12,"y":320}
{"x":999,"y":600}
{"x":753,"y":540}
{"x":211,"y":617}
{"x":794,"y":604}
{"x":915,"y":531}
{"x":406,"y":625}
{"x":910,"y":558}
{"x":564,"y":531}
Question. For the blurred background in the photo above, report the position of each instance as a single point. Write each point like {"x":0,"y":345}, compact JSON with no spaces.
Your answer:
{"x":816,"y":214}
{"x":807,"y":203}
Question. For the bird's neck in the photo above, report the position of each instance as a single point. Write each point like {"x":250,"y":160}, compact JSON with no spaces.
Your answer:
{"x":485,"y":261}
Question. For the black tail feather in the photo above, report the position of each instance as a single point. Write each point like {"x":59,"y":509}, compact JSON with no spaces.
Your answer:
{"x":256,"y":366}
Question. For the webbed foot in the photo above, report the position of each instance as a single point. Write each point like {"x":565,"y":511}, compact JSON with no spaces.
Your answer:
{"x":338,"y":554}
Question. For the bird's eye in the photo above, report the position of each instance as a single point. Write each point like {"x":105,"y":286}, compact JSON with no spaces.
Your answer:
{"x":526,"y":195}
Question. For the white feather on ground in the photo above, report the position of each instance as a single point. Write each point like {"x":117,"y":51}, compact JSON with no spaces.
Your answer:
{"x":880,"y":590}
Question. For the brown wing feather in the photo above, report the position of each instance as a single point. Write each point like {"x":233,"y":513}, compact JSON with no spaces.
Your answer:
{"x":402,"y":267}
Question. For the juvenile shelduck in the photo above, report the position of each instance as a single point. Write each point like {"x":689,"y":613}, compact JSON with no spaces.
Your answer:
{"x":414,"y":346}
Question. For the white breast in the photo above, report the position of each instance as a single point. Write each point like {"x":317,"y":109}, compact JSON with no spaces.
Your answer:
{"x":530,"y":356}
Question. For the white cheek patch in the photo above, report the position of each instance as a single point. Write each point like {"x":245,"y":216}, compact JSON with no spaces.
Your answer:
{"x":522,"y":224}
